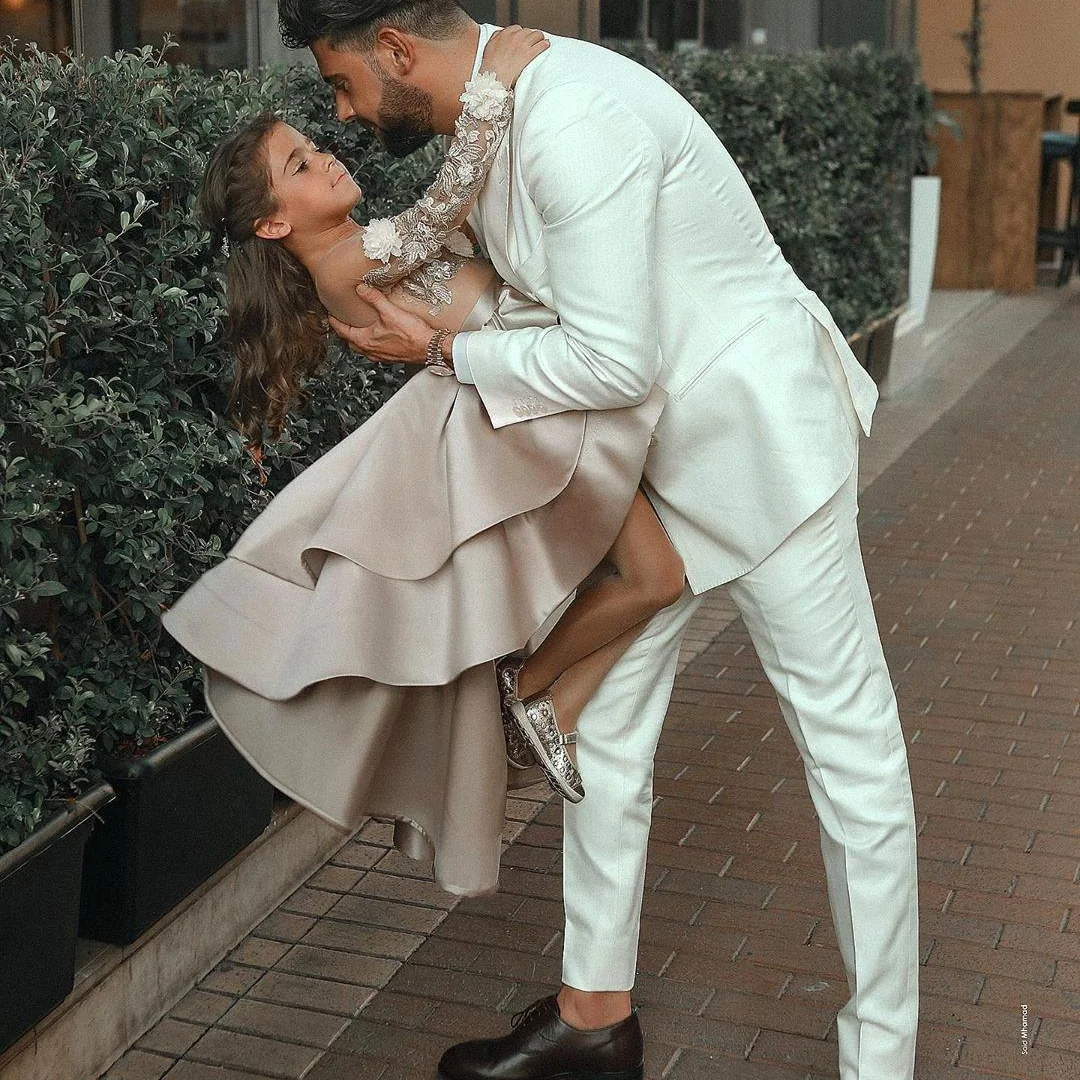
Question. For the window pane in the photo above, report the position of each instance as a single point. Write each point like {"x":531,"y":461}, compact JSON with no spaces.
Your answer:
{"x":211,"y":34}
{"x":724,"y":24}
{"x":620,"y":18}
{"x":687,"y":15}
{"x":48,"y":22}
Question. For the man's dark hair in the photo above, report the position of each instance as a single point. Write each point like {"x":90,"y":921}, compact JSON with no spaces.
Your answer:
{"x":356,"y":23}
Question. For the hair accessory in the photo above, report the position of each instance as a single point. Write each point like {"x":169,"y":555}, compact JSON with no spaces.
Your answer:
{"x":225,"y":246}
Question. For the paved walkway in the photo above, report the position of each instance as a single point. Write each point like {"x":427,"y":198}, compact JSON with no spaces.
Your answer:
{"x":972,"y":544}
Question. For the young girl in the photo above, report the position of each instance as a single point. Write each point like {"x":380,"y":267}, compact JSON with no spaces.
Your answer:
{"x":436,"y":545}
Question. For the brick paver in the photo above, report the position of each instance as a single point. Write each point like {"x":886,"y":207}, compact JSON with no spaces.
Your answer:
{"x":972,"y":544}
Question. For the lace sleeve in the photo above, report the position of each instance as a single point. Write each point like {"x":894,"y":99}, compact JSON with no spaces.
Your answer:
{"x":417,"y":235}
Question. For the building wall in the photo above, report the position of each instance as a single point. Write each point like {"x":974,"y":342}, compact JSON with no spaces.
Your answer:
{"x":847,"y":22}
{"x":1027,"y":45}
{"x":776,"y":25}
{"x":480,"y":10}
{"x":45,"y":22}
{"x":884,"y":23}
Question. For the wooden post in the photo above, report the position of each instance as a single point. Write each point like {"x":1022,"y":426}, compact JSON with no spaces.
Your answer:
{"x":989,"y":191}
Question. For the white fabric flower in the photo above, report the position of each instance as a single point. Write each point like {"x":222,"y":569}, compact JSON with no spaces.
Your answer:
{"x":458,"y":243}
{"x":466,"y":173}
{"x":484,"y":96}
{"x":382,"y":240}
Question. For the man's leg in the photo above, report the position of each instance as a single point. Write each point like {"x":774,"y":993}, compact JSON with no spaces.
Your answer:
{"x":808,"y":610}
{"x":606,"y":835}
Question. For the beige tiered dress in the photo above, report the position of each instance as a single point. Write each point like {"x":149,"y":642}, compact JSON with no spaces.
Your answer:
{"x":348,"y":638}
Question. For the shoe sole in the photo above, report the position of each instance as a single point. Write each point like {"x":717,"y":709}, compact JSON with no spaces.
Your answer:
{"x":505,"y":710}
{"x":531,"y":764}
{"x":554,"y":779}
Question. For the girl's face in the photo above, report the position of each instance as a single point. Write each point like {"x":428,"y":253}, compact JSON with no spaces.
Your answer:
{"x":313,"y":189}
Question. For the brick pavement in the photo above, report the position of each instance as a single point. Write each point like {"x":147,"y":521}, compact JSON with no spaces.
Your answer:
{"x":972,"y":544}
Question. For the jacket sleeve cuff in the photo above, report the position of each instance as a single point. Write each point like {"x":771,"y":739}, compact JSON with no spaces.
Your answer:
{"x":460,"y":355}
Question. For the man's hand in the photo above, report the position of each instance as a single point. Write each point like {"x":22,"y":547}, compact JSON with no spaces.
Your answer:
{"x":396,"y":336}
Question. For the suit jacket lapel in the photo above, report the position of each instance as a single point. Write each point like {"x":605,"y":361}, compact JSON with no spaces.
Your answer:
{"x":493,"y":205}
{"x":492,"y":213}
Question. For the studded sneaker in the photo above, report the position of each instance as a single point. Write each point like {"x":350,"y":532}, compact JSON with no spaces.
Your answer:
{"x":536,"y":721}
{"x":518,"y":751}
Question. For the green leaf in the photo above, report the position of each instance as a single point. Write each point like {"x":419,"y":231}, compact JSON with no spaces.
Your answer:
{"x":47,"y":588}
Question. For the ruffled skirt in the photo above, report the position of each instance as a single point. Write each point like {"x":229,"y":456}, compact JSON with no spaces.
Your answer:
{"x":348,"y":638}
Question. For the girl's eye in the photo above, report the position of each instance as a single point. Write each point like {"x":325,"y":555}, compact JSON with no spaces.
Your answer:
{"x":301,"y":167}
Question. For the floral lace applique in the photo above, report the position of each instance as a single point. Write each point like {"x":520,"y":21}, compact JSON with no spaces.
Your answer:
{"x":422,"y":247}
{"x":428,"y":283}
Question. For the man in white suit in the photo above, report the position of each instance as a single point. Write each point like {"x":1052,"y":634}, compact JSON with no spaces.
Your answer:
{"x":614,"y":204}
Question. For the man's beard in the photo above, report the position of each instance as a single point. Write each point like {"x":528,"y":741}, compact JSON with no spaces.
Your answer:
{"x":405,"y":117}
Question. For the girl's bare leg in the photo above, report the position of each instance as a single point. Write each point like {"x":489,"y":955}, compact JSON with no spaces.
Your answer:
{"x":572,"y":689}
{"x":603,"y":620}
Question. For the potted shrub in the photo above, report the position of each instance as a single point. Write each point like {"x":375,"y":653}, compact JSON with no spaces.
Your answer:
{"x":39,"y":912}
{"x":48,"y":806}
{"x":47,"y":795}
{"x":115,"y":444}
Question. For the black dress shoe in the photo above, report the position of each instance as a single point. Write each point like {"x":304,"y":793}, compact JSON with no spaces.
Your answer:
{"x":543,"y":1047}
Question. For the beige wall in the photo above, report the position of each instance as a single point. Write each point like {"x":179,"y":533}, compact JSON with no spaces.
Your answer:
{"x":1027,"y":45}
{"x":557,"y":16}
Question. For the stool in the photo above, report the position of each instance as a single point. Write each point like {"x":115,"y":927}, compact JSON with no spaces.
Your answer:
{"x":1059,"y":146}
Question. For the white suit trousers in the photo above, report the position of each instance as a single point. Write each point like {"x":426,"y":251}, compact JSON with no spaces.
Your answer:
{"x":807,"y":608}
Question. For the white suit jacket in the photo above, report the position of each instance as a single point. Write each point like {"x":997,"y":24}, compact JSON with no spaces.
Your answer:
{"x":614,"y":204}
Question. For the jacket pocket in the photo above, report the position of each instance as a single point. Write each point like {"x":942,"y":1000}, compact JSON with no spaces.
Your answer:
{"x":692,"y":381}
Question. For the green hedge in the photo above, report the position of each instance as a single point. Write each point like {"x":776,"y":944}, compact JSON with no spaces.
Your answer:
{"x":119,"y":480}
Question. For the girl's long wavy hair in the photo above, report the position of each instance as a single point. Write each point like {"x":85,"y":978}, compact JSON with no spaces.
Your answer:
{"x":276,"y":327}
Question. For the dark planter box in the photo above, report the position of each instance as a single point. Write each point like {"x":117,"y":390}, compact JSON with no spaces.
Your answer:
{"x":860,"y":345}
{"x":882,"y":335}
{"x":183,"y":811}
{"x":39,"y":912}
{"x":873,"y":345}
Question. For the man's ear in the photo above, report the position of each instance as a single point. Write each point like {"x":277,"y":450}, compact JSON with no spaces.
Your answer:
{"x":272,"y":227}
{"x":395,"y":51}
